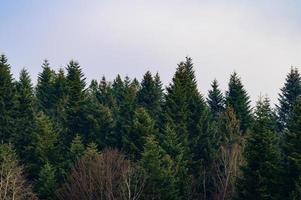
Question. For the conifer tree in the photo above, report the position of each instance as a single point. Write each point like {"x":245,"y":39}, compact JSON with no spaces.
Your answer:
{"x":60,"y":99}
{"x":76,"y":99}
{"x":238,"y":99}
{"x":7,"y":101}
{"x":46,"y":144}
{"x":292,"y":151}
{"x":142,"y":127}
{"x":262,"y":155}
{"x":185,"y":108}
{"x":215,"y":100}
{"x":159,"y":166}
{"x":45,"y":89}
{"x":105,"y":94}
{"x":25,"y":118}
{"x":126,"y":110}
{"x":46,"y":183}
{"x":287,"y":98}
{"x":77,"y":149}
{"x":150,"y":95}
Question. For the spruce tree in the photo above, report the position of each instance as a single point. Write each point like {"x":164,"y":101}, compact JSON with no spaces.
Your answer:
{"x":76,"y":100}
{"x":161,"y":183}
{"x":46,"y":183}
{"x":77,"y":149}
{"x":150,"y":95}
{"x":126,"y":109}
{"x":287,"y":98}
{"x":292,"y":151}
{"x":262,"y":155}
{"x":47,"y":144}
{"x":7,"y":101}
{"x":25,"y":124}
{"x":185,"y":108}
{"x":45,"y":89}
{"x":238,"y":99}
{"x":216,"y":100}
{"x":142,"y":126}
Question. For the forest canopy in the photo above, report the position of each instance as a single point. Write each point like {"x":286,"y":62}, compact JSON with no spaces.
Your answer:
{"x":127,"y":139}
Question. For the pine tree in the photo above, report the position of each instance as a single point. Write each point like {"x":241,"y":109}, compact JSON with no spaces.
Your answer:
{"x":45,"y":89}
{"x":150,"y":95}
{"x":46,"y":144}
{"x":7,"y":101}
{"x":262,"y":156}
{"x":159,"y":166}
{"x":215,"y":100}
{"x":25,"y":124}
{"x":77,"y":149}
{"x":292,"y":151}
{"x":185,"y":108}
{"x":238,"y":99}
{"x":46,"y":183}
{"x":99,"y":122}
{"x":289,"y":93}
{"x":142,"y":126}
{"x":76,"y":100}
{"x":126,"y":110}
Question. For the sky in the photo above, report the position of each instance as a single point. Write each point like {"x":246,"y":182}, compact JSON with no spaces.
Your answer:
{"x":259,"y":39}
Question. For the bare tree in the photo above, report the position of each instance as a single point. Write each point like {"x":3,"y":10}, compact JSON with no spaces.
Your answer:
{"x":229,"y":159}
{"x":105,"y":176}
{"x":13,"y":185}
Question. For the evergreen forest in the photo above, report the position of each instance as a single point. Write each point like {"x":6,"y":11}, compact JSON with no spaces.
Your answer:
{"x":127,"y":139}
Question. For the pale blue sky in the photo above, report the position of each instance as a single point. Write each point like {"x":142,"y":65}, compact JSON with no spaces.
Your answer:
{"x":260,"y":39}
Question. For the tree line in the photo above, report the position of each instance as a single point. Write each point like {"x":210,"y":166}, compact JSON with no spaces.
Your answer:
{"x":125,"y":139}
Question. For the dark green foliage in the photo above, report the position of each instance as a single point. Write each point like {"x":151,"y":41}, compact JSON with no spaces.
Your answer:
{"x":45,"y":89}
{"x":142,"y":127}
{"x":289,"y":93}
{"x":77,"y":149}
{"x":60,"y":97}
{"x":215,"y":100}
{"x":7,"y":101}
{"x":262,"y":155}
{"x":238,"y":99}
{"x":159,"y":166}
{"x":46,"y":183}
{"x":292,"y":151}
{"x":25,"y":133}
{"x":75,"y":101}
{"x":190,"y":148}
{"x":150,"y":96}
{"x":185,"y":109}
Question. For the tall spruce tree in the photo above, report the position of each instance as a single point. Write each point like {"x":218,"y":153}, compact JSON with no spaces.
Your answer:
{"x":45,"y":89}
{"x":185,"y":108}
{"x":150,"y":95}
{"x":287,"y":98}
{"x":7,"y":101}
{"x":261,"y":172}
{"x":76,"y":99}
{"x":215,"y":100}
{"x":292,"y":151}
{"x":25,"y":124}
{"x":238,"y":99}
{"x":60,"y":94}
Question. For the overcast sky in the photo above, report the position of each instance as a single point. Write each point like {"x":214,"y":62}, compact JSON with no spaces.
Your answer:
{"x":260,"y":39}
